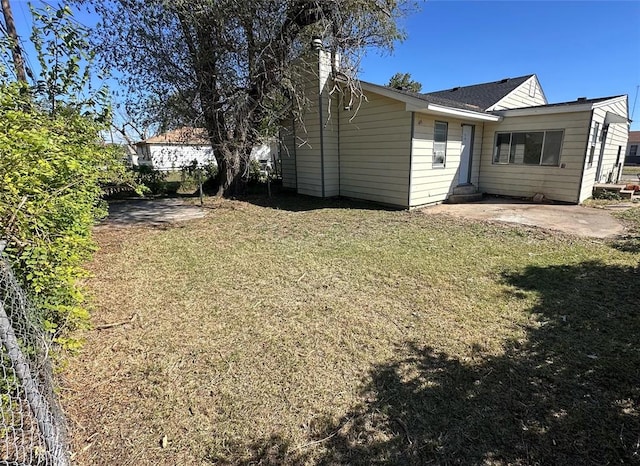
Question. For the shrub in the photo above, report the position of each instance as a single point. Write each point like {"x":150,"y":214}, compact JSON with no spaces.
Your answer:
{"x":607,"y":195}
{"x":256,"y":173}
{"x":154,"y":180}
{"x":51,"y":169}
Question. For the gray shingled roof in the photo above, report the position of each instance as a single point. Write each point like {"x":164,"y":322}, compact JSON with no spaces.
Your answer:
{"x":483,"y":95}
{"x":432,"y":99}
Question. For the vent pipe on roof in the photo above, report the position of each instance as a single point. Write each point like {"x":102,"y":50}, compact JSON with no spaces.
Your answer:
{"x":505,"y":80}
{"x":455,"y":88}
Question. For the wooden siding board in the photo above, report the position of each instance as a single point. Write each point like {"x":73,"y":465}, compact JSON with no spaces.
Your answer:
{"x":287,"y":155}
{"x":556,"y":183}
{"x":374,"y":151}
{"x":520,"y":96}
{"x":617,"y":136}
{"x":434,"y":184}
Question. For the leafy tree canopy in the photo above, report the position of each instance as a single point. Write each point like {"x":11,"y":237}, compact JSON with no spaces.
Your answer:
{"x":53,"y":163}
{"x":404,"y":82}
{"x":228,"y":65}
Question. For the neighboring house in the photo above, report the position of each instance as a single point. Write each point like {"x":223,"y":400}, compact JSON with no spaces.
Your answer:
{"x":407,"y":149}
{"x":632,"y":155}
{"x":175,"y":149}
{"x":179,"y":148}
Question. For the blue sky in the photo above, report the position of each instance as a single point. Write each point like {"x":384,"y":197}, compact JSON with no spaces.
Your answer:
{"x":577,"y":49}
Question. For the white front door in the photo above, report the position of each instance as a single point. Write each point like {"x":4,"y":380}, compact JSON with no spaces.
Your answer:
{"x":464,"y":175}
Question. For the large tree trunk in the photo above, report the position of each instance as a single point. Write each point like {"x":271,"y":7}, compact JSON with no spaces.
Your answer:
{"x":229,"y":179}
{"x":232,"y":169}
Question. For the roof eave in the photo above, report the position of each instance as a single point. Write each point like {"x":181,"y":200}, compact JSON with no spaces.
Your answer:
{"x":568,"y":108}
{"x":541,"y":110}
{"x":610,"y":101}
{"x":417,"y":105}
{"x":435,"y":109}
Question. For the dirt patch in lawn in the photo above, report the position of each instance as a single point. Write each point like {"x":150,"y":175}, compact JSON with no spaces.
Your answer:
{"x":151,"y":212}
{"x":354,"y":336}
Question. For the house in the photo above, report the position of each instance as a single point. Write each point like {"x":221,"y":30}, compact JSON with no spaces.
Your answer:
{"x":632,"y":155}
{"x":175,"y":149}
{"x":182,"y":147}
{"x":407,"y":149}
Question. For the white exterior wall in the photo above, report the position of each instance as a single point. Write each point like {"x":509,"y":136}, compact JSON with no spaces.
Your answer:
{"x":310,"y":152}
{"x":559,"y":183}
{"x":434,"y":184}
{"x":288,"y":156}
{"x":375,"y":151}
{"x":527,"y":94}
{"x":330,"y":127}
{"x":174,"y":156}
{"x":266,"y":151}
{"x":307,"y":146}
{"x":617,"y":137}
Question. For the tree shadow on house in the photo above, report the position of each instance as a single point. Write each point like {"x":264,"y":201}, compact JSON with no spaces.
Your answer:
{"x":567,"y":394}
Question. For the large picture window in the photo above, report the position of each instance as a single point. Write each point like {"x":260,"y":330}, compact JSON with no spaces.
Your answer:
{"x":528,"y":148}
{"x":440,"y":143}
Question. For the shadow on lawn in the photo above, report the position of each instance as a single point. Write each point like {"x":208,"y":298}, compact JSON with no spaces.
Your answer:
{"x":569,"y":394}
{"x":283,"y":199}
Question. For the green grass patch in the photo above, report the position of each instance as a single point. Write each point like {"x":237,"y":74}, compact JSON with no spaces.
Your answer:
{"x":309,"y":332}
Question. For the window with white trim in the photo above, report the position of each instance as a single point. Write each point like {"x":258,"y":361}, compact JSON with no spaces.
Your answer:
{"x":529,"y":148}
{"x":440,"y":131}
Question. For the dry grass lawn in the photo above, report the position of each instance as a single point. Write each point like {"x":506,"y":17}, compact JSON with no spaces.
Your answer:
{"x":335,"y":333}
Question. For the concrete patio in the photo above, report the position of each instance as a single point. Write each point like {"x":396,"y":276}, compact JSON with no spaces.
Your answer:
{"x":572,"y":219}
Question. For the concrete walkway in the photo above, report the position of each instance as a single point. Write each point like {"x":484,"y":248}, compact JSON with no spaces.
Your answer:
{"x":571,"y":219}
{"x":150,"y":212}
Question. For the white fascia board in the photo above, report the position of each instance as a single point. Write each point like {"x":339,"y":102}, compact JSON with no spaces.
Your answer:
{"x":622,"y":98}
{"x":569,"y":108}
{"x":544,"y":110}
{"x":449,"y":111}
{"x":535,"y":76}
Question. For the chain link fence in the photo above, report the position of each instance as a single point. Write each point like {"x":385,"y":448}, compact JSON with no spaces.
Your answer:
{"x":32,"y":426}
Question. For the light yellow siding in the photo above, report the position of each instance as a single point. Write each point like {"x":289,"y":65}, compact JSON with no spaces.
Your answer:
{"x":307,"y":145}
{"x":617,"y":137}
{"x":559,"y":183}
{"x":311,"y":158}
{"x":375,"y":150}
{"x":527,"y":94}
{"x":330,"y":128}
{"x":288,"y":156}
{"x":434,"y":184}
